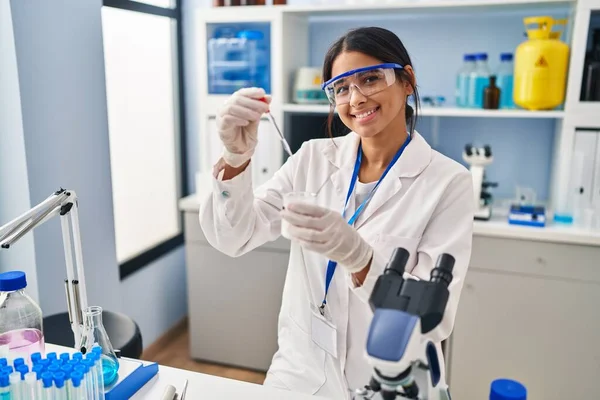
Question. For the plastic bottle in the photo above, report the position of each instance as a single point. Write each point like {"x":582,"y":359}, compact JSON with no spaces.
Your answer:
{"x":20,"y":317}
{"x":507,"y":389}
{"x":462,"y":80}
{"x":505,"y":80}
{"x":479,"y":79}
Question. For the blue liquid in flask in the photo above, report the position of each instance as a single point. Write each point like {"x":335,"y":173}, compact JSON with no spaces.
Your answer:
{"x":110,"y":369}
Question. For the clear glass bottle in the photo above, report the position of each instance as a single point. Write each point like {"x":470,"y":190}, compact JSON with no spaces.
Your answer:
{"x":93,"y":336}
{"x":479,"y":80}
{"x":505,"y":79}
{"x":20,"y":317}
{"x":462,"y":80}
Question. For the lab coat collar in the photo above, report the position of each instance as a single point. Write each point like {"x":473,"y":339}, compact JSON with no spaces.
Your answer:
{"x":416,"y":157}
{"x":342,"y":154}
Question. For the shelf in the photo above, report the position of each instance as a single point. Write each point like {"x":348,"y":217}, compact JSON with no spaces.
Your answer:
{"x":421,"y":5}
{"x":440,"y":112}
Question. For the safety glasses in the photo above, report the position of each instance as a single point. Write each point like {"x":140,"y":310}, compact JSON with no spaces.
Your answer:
{"x":367,"y":80}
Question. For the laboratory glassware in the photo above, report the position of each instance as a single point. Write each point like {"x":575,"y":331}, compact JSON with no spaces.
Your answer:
{"x":94,"y":339}
{"x":491,"y":95}
{"x":504,"y":79}
{"x":295,"y":197}
{"x":462,"y":80}
{"x":20,"y":317}
{"x":479,"y":80}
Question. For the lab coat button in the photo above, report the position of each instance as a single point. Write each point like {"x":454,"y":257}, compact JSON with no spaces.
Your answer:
{"x":225,"y":193}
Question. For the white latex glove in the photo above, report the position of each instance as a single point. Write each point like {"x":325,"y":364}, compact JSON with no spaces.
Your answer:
{"x":237,"y":123}
{"x":326,"y":232}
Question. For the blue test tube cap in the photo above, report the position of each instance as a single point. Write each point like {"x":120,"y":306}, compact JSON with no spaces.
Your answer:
{"x":23,"y":369}
{"x":84,"y":369}
{"x":73,"y":362}
{"x":36,"y":357}
{"x":8,"y":369}
{"x":59,"y":379}
{"x":64,"y":357}
{"x":67,"y":369}
{"x":78,"y":356}
{"x":51,"y":356}
{"x":54,"y":368}
{"x":39,"y":370}
{"x":97,"y":350}
{"x":47,"y":379}
{"x":44,"y":361}
{"x":76,"y":377}
{"x":3,"y":362}
{"x":4,"y":380}
{"x":18,"y":361}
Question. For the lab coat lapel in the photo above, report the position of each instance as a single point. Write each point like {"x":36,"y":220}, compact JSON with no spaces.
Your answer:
{"x":413,"y":161}
{"x":342,"y":156}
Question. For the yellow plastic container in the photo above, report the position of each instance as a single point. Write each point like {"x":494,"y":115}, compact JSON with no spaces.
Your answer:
{"x":541,"y":64}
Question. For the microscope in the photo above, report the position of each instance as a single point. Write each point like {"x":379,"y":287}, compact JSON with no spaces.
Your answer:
{"x":478,"y":158}
{"x":405,"y":362}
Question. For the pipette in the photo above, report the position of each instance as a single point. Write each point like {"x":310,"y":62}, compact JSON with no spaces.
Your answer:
{"x":284,"y":142}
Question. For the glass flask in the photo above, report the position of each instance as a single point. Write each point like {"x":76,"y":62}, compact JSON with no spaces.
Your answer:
{"x":94,"y":336}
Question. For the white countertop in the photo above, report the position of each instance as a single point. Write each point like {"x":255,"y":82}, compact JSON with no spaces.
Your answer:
{"x":496,"y":227}
{"x":202,"y":386}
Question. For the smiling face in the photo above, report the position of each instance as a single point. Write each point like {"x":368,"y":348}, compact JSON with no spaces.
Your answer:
{"x":379,"y":112}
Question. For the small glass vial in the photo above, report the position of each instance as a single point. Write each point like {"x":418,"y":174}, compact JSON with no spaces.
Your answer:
{"x":491,"y":95}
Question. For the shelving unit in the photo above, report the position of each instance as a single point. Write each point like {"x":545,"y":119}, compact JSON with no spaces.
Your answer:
{"x":293,"y":44}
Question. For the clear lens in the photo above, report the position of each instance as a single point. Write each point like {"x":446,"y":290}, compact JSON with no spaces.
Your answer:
{"x":367,"y":82}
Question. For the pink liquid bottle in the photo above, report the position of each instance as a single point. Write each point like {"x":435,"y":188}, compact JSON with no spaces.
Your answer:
{"x":20,"y":318}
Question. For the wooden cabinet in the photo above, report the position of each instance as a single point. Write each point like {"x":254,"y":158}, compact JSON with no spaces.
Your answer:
{"x":528,"y":311}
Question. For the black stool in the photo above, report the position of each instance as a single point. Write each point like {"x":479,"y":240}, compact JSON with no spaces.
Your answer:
{"x":124,"y":334}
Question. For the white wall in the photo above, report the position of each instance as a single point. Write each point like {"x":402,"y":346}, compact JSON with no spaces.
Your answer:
{"x":13,"y":166}
{"x":63,"y":103}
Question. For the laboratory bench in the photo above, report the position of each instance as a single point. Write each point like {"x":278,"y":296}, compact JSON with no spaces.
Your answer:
{"x":200,"y":386}
{"x":528,"y":308}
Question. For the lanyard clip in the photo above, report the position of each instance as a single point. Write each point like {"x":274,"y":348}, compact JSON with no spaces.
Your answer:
{"x":322,"y":309}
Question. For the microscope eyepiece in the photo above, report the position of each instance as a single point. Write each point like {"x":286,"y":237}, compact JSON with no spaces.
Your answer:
{"x":443,"y":269}
{"x":397,"y":262}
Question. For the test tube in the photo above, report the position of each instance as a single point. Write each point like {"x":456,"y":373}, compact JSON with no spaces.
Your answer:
{"x":91,"y":379}
{"x":99,"y":372}
{"x":77,"y":356}
{"x":65,"y":357}
{"x":44,"y":362}
{"x":54,"y":368}
{"x":4,"y":386}
{"x":48,"y":389}
{"x":30,"y":391}
{"x":77,"y":386}
{"x":87,"y":380}
{"x":15,"y":386}
{"x":51,"y":356}
{"x":60,"y":391}
{"x":23,"y":369}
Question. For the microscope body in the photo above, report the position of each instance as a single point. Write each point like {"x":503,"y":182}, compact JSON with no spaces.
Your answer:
{"x":406,"y":364}
{"x":478,"y":159}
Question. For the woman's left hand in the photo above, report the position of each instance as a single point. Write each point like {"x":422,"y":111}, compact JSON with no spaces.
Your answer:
{"x":326,"y":232}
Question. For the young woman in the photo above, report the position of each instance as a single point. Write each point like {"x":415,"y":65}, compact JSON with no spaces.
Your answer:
{"x":379,"y":187}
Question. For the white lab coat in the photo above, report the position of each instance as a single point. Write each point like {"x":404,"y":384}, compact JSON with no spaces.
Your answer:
{"x":425,"y":204}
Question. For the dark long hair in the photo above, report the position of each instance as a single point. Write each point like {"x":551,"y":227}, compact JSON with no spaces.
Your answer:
{"x":383,"y":45}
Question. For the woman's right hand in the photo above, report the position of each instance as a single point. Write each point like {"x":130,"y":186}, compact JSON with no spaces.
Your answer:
{"x":237,"y":123}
